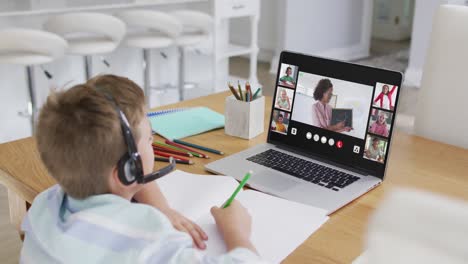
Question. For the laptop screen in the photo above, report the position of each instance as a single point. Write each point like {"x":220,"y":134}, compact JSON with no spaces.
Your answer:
{"x":338,"y":111}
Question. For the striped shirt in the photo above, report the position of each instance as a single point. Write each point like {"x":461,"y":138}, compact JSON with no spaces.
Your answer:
{"x":108,"y":229}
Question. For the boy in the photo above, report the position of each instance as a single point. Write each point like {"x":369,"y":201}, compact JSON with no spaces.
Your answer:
{"x":287,"y":77}
{"x":89,"y":217}
{"x":287,"y":80}
{"x":280,"y":127}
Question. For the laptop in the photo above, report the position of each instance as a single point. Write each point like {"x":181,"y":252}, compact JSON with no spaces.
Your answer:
{"x":313,"y":161}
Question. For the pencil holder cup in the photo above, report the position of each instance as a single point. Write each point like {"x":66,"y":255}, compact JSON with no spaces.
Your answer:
{"x":244,"y":119}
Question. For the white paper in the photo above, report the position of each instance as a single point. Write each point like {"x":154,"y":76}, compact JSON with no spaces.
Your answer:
{"x":194,"y":195}
{"x":362,"y":259}
{"x":279,"y":226}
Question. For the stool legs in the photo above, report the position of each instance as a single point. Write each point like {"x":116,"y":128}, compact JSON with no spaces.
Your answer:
{"x":88,"y":63}
{"x":181,"y":73}
{"x":32,"y":106}
{"x":146,"y":75}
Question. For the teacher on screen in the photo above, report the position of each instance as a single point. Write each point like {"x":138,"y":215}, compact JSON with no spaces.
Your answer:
{"x":322,"y":110}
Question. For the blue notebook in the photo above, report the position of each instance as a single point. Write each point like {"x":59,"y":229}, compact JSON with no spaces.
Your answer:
{"x":164,"y":112}
{"x":186,"y":122}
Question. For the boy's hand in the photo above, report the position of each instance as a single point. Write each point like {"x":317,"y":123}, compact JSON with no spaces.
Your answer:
{"x":235,"y":224}
{"x":184,"y":224}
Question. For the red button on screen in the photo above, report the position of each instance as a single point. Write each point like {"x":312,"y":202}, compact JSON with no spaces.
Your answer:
{"x":339,"y":144}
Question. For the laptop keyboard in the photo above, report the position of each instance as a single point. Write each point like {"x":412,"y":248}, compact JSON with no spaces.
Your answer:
{"x":304,"y":169}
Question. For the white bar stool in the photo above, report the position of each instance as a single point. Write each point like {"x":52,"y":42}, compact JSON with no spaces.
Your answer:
{"x":149,"y":30}
{"x":88,"y":34}
{"x":30,"y":47}
{"x":197,"y":27}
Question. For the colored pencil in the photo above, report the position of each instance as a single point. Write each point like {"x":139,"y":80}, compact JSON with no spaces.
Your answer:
{"x":198,"y":147}
{"x":198,"y":155}
{"x":256,"y":93}
{"x":236,"y":191}
{"x":182,"y":149}
{"x":168,"y":155}
{"x":169,"y":147}
{"x":233,"y":91}
{"x":249,"y":89}
{"x":164,"y":145}
{"x":168,"y":150}
{"x":201,"y":155}
{"x":240,"y":91}
{"x":176,"y":160}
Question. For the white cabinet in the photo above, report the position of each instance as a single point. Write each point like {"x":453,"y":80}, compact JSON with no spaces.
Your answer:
{"x":236,"y":8}
{"x":224,"y":11}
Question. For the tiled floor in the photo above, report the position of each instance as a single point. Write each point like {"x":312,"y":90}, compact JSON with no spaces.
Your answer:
{"x":9,"y":241}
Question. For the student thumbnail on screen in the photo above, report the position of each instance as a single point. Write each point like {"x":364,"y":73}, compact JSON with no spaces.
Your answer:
{"x":288,"y":75}
{"x":380,"y":122}
{"x":284,"y":98}
{"x":385,"y":96}
{"x":280,"y":122}
{"x":375,"y":148}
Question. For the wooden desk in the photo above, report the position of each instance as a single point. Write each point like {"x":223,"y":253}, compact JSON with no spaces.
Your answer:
{"x":414,"y":162}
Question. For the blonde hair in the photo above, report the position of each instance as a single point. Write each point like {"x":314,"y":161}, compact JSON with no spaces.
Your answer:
{"x":79,"y":137}
{"x":383,"y":114}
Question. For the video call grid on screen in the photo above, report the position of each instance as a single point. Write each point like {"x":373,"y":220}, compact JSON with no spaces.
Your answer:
{"x":346,"y":95}
{"x":284,"y":98}
{"x":357,"y":74}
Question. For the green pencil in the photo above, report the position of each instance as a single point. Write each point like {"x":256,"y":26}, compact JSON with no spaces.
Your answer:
{"x":241,"y":185}
{"x":256,"y":93}
{"x":240,"y":91}
{"x":180,"y":142}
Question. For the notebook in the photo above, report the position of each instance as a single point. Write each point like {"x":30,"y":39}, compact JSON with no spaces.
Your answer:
{"x":191,"y":121}
{"x":278,"y":226}
{"x":165,"y":112}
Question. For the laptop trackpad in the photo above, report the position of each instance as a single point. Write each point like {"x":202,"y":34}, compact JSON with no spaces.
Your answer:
{"x":272,"y":180}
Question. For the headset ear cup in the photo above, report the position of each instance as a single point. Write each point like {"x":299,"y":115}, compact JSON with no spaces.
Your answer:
{"x":126,"y":170}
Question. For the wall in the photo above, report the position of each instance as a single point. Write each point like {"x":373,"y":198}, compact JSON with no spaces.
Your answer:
{"x":315,"y":26}
{"x":422,"y":25}
{"x":287,"y":24}
{"x":337,"y":29}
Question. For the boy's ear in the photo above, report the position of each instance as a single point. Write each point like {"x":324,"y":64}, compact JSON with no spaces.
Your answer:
{"x":115,"y":184}
{"x":118,"y":188}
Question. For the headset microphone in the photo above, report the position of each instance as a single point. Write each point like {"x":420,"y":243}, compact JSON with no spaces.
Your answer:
{"x":159,"y":173}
